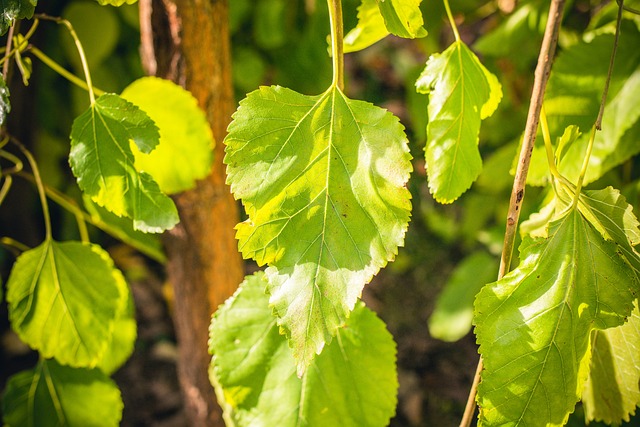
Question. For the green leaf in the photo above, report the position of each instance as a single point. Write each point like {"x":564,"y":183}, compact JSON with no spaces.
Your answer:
{"x":612,"y":391}
{"x":403,"y":17}
{"x":322,"y":179}
{"x":370,"y":29}
{"x":462,"y":92}
{"x":5,"y":105}
{"x":102,"y":160}
{"x":64,"y":299}
{"x":15,"y":9}
{"x":352,"y":383}
{"x":185,"y":151}
{"x":122,"y":229}
{"x":116,"y":2}
{"x":534,"y":325}
{"x":613,"y":217}
{"x":53,"y":395}
{"x":453,"y":313}
{"x":573,"y":98}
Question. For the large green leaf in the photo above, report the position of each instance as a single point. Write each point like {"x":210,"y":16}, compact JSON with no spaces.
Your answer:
{"x":53,"y":395}
{"x":573,"y":98}
{"x":534,"y":325}
{"x":370,"y":28}
{"x":64,"y":299}
{"x":322,"y":179}
{"x":15,"y":9}
{"x":102,"y":160}
{"x":462,"y":92}
{"x":185,"y":151}
{"x":351,"y":384}
{"x":613,"y":390}
{"x":403,"y":17}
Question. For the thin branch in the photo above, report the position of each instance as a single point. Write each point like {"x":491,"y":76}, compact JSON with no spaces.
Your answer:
{"x":543,"y":69}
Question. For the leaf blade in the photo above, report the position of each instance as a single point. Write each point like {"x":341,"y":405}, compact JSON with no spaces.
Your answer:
{"x":330,"y":207}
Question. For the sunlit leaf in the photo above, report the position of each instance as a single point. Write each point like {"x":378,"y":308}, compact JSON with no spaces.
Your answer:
{"x":15,"y":9}
{"x":573,"y":98}
{"x":116,"y":2}
{"x":102,"y":160}
{"x":534,"y":325}
{"x":370,"y":28}
{"x":322,"y":179}
{"x":53,"y":395}
{"x":462,"y":92}
{"x":403,"y":17}
{"x":453,"y":313}
{"x":185,"y":151}
{"x":351,"y":384}
{"x":5,"y":105}
{"x":64,"y":299}
{"x":612,"y":392}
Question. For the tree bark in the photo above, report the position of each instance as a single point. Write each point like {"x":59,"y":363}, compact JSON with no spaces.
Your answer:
{"x":187,"y":41}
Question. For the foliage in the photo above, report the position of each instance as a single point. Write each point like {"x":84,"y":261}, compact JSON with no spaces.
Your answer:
{"x":325,"y":184}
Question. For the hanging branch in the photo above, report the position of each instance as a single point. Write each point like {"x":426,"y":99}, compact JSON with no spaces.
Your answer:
{"x":543,"y":69}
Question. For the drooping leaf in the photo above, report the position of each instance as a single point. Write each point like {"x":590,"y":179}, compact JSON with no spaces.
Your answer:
{"x":5,"y":105}
{"x":612,"y":391}
{"x":102,"y":160}
{"x":453,"y":313}
{"x":64,"y":299}
{"x":534,"y":325}
{"x":15,"y":9}
{"x":462,"y":92}
{"x":351,"y":384}
{"x":573,"y":98}
{"x":370,"y":29}
{"x":185,"y":151}
{"x":322,"y":179}
{"x":116,"y":2}
{"x":403,"y":17}
{"x":53,"y":395}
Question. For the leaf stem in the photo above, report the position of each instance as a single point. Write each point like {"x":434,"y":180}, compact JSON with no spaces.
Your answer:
{"x":611,"y":61}
{"x":452,"y":21}
{"x":76,"y":40}
{"x":60,"y":70}
{"x":11,"y":243}
{"x":337,"y":36}
{"x":39,"y":185}
{"x":543,"y":69}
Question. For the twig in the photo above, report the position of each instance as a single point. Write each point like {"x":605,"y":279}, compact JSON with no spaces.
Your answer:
{"x":543,"y":69}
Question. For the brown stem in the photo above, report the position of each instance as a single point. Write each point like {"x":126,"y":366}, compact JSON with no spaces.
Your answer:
{"x":543,"y":69}
{"x":188,"y":42}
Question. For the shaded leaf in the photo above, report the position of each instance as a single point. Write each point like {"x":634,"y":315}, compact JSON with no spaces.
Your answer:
{"x":322,"y":179}
{"x":15,"y":9}
{"x":64,"y":299}
{"x":370,"y":29}
{"x":102,"y":160}
{"x":462,"y":92}
{"x":53,"y":395}
{"x":453,"y":313}
{"x":536,"y":322}
{"x":185,"y":151}
{"x":403,"y":17}
{"x":352,"y":383}
{"x":612,"y":391}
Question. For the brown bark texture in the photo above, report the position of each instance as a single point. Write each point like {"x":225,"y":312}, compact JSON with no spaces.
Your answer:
{"x":187,"y":41}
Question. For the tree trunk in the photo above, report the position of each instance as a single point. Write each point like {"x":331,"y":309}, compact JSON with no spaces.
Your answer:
{"x":187,"y":41}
